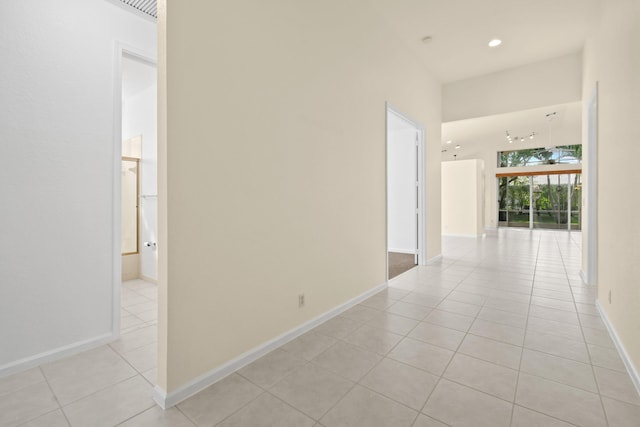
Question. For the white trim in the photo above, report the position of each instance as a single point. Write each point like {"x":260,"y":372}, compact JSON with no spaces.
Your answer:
{"x":120,"y":49}
{"x":55,"y":354}
{"x":403,"y":251}
{"x":583,"y":275}
{"x":422,"y":201}
{"x":166,"y":400}
{"x":422,"y":184}
{"x":117,"y":190}
{"x":434,"y":260}
{"x":622,"y":351}
{"x":149,"y":279}
{"x":591,"y":186}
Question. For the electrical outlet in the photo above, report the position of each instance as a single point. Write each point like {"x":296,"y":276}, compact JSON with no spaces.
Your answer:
{"x":301,"y":300}
{"x":609,"y":297}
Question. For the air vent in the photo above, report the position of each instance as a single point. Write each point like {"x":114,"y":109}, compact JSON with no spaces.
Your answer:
{"x":148,"y":7}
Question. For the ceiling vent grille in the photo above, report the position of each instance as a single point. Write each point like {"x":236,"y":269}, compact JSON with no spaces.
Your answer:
{"x":148,"y":7}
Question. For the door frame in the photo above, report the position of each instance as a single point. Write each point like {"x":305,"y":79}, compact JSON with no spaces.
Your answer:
{"x":421,"y":175}
{"x":590,"y":180}
{"x":120,"y":49}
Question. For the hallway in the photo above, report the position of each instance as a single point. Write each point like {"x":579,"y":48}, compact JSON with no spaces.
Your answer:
{"x":500,"y":332}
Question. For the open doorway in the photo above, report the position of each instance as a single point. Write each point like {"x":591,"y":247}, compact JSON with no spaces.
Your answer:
{"x":135,"y":210}
{"x":404,"y":193}
{"x":135,"y":192}
{"x":139,"y":169}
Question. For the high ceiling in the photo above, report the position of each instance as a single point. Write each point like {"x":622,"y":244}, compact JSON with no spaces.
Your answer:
{"x":483,"y":134}
{"x":531,"y":31}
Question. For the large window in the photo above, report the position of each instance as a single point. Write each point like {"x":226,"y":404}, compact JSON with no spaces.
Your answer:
{"x":566,"y":154}
{"x":540,"y":201}
{"x":514,"y":199}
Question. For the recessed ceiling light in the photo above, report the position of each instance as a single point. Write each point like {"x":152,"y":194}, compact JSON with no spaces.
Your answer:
{"x":427,"y":39}
{"x":495,"y":42}
{"x":457,"y":146}
{"x":449,"y":141}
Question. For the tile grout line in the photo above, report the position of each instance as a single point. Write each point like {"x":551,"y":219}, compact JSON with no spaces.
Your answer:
{"x":355,"y":383}
{"x":593,"y":371}
{"x":60,"y":408}
{"x":441,"y":376}
{"x":386,"y":356}
{"x":526,"y":327}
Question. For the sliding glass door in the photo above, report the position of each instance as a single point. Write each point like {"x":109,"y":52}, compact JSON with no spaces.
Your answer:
{"x":514,"y":201}
{"x":550,"y":201}
{"x":575,"y":201}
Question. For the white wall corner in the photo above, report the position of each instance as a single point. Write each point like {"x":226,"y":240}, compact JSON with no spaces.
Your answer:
{"x":166,"y":400}
{"x":583,"y":276}
{"x":160,"y":397}
{"x":633,"y":371}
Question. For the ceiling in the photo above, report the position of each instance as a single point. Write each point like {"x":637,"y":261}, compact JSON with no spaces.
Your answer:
{"x":148,"y":7}
{"x":479,"y":135}
{"x":531,"y":31}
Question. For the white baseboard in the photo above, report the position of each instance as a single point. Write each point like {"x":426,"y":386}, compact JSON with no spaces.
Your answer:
{"x":55,"y":354}
{"x":583,"y":276}
{"x":149,"y":279}
{"x":402,"y":251}
{"x":434,"y":260}
{"x":166,"y":400}
{"x":633,"y":372}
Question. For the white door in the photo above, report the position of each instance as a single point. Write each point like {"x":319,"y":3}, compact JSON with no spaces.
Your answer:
{"x":402,"y":185}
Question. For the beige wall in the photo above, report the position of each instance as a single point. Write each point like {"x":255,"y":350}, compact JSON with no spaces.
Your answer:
{"x":463,"y":198}
{"x":612,"y":58}
{"x":130,"y":266}
{"x":272,"y":169}
{"x":556,"y":81}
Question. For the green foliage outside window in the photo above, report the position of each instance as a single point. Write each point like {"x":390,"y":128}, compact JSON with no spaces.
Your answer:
{"x":565,"y":154}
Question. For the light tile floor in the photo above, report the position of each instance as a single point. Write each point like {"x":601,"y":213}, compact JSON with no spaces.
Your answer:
{"x":500,"y":332}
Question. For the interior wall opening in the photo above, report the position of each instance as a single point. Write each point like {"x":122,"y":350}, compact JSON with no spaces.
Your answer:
{"x":139,"y":184}
{"x":404,"y":187}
